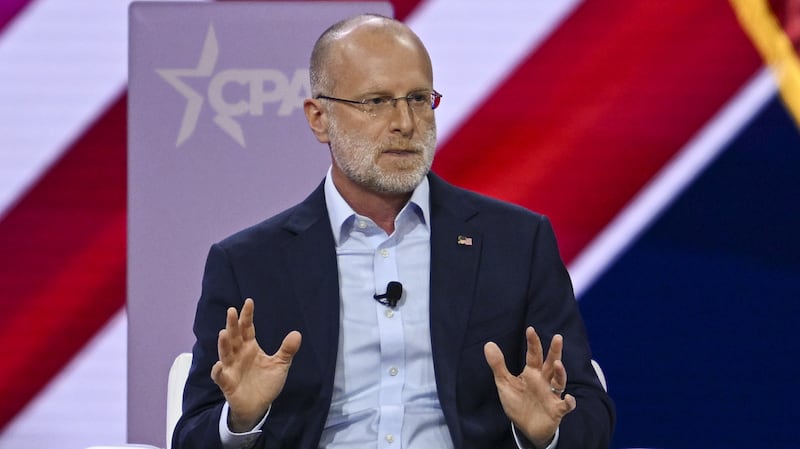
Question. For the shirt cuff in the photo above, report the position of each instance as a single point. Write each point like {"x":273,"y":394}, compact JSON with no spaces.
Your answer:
{"x":553,"y":444}
{"x":233,"y":440}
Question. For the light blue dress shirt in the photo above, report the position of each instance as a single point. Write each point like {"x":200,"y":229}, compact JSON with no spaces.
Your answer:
{"x":384,"y":391}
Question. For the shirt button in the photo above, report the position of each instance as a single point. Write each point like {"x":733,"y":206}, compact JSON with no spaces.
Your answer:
{"x":385,"y":252}
{"x":362,"y":224}
{"x":389,"y":313}
{"x":393,"y":371}
{"x":390,"y":438}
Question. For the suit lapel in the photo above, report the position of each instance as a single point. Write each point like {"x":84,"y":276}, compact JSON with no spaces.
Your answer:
{"x":311,"y":259}
{"x":455,"y":255}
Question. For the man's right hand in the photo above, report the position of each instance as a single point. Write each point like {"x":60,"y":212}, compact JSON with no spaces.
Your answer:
{"x":248,"y":377}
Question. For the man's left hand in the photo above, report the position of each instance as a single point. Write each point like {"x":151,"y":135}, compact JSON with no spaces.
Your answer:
{"x":533,"y":399}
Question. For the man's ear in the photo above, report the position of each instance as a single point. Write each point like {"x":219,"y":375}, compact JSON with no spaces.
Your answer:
{"x":317,"y":119}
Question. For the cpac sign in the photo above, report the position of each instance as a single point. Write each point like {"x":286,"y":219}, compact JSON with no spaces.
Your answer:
{"x":289,"y":90}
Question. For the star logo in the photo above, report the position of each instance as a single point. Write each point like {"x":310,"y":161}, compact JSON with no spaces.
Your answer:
{"x":194,"y":101}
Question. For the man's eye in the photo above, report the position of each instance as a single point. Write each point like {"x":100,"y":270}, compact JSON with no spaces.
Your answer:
{"x":419,"y":98}
{"x":376,"y":101}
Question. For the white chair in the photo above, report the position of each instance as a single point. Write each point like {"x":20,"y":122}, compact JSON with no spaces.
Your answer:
{"x":600,"y":374}
{"x":175,"y":382}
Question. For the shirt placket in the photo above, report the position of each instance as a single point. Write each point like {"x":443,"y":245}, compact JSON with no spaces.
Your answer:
{"x":390,"y":327}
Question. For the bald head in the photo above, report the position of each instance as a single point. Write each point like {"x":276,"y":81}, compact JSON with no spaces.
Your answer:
{"x":358,"y":37}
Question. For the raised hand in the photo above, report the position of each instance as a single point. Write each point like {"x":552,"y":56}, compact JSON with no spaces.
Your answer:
{"x":248,"y":377}
{"x":533,"y":399}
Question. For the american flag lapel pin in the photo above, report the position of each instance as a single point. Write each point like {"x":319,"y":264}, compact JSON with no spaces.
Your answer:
{"x":464,"y":240}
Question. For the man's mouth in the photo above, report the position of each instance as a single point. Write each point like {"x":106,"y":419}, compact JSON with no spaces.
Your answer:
{"x":401,"y":151}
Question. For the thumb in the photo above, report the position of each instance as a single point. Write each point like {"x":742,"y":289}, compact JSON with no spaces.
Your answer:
{"x":289,"y":347}
{"x":496,"y":360}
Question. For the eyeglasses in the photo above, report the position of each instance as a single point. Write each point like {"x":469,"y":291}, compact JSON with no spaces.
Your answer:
{"x":420,"y":102}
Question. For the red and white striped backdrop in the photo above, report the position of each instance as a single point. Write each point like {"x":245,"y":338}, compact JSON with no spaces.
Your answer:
{"x":593,"y":112}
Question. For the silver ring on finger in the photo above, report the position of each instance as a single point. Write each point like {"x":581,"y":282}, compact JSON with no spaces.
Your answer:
{"x":557,"y":391}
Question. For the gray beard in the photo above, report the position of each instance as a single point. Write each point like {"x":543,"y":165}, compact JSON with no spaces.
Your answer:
{"x":355,"y":158}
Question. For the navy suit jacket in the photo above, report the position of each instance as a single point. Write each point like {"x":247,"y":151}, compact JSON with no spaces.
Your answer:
{"x":511,"y":276}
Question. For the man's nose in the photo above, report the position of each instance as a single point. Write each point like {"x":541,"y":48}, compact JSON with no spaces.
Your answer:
{"x":403,"y":119}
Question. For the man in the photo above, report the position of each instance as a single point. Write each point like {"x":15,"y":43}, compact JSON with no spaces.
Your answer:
{"x":410,"y":296}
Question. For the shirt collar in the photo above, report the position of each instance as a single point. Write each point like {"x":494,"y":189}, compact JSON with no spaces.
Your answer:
{"x":339,"y":211}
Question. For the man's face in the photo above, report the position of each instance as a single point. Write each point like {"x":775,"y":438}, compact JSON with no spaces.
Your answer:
{"x":390,"y":152}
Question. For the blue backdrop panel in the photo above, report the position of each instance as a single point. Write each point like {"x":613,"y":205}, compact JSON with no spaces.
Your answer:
{"x":696,"y":325}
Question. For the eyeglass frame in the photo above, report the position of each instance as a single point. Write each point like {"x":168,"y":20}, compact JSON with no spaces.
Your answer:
{"x":436,"y":98}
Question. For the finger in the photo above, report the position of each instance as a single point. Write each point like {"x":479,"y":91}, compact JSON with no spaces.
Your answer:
{"x":553,"y":354}
{"x":246,"y":326}
{"x":533,"y":357}
{"x":224,"y":346}
{"x":289,"y":347}
{"x":570,"y":402}
{"x":232,"y":323}
{"x":496,"y":360}
{"x":559,"y":378}
{"x":216,"y":374}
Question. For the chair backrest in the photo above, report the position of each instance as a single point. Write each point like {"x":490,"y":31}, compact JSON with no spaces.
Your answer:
{"x":175,"y":383}
{"x":600,"y":374}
